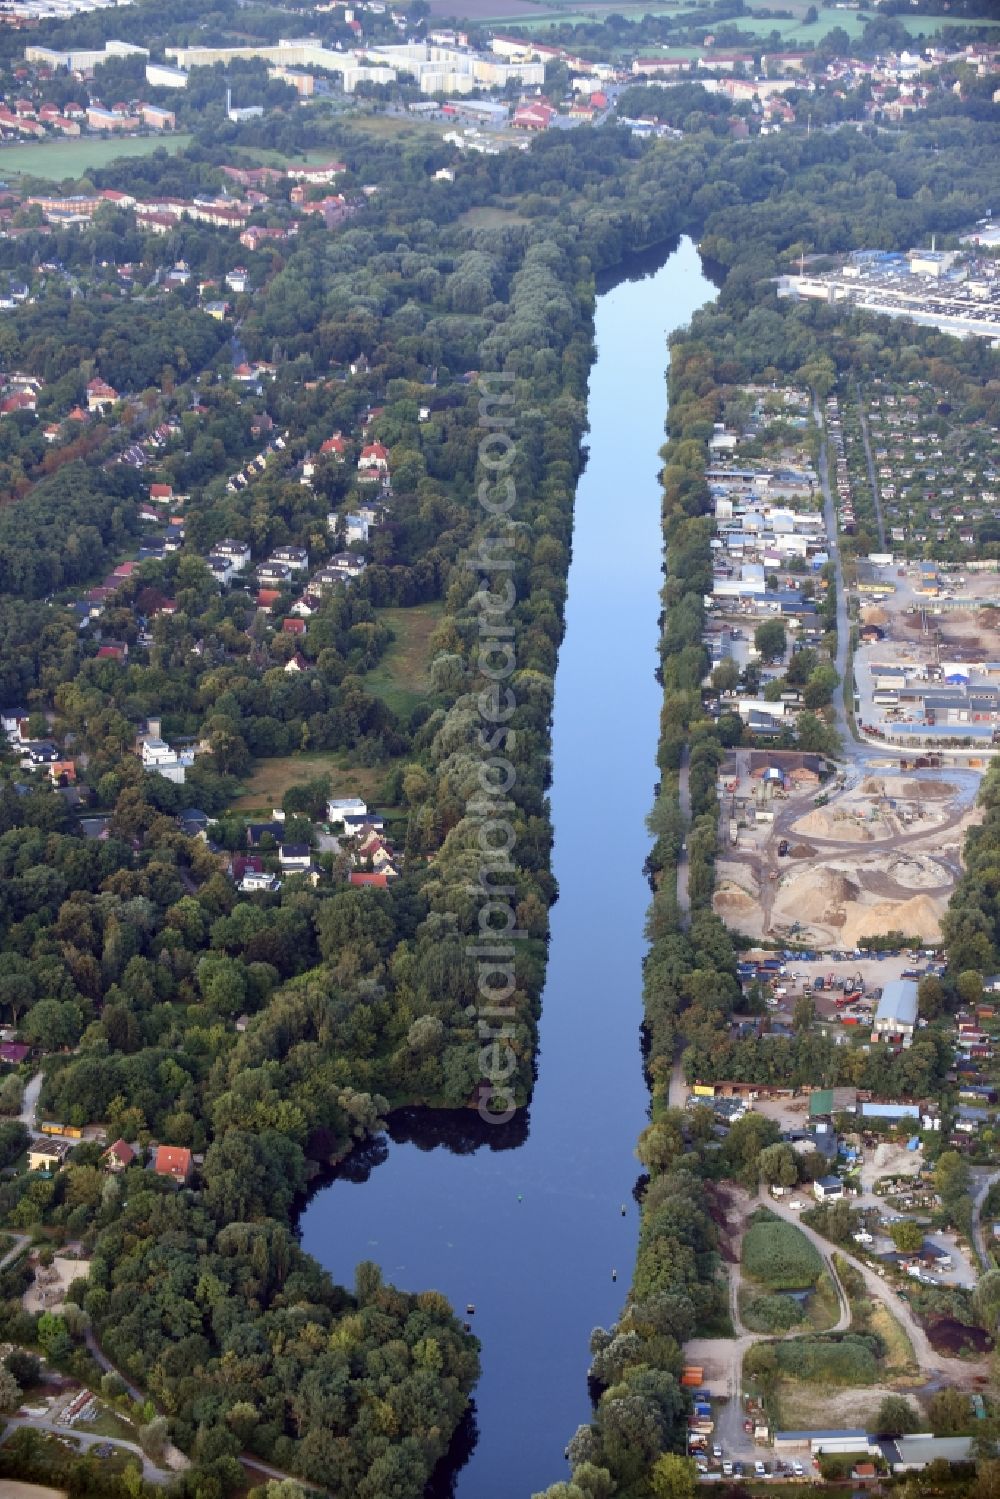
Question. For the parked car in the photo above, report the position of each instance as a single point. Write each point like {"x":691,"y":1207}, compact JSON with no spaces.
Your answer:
{"x":727,"y":1468}
{"x":798,"y":1469}
{"x":759,"y":1471}
{"x":717,"y":1452}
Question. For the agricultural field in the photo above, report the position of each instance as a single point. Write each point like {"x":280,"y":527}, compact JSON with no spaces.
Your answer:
{"x":56,"y":160}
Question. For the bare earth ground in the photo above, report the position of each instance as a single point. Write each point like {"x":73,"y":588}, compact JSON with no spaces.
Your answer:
{"x":882,"y":854}
{"x":266,"y":786}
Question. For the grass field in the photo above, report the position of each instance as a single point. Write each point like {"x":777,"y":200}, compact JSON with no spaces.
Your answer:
{"x":401,"y":678}
{"x":793,"y":31}
{"x":270,"y":779}
{"x":852,"y":21}
{"x":55,"y":160}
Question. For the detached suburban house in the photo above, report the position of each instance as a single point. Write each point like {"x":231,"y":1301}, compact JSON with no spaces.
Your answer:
{"x":173,"y":1161}
{"x":48,"y":1155}
{"x":118,"y":1156}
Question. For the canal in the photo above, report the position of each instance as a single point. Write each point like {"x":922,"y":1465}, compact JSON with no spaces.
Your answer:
{"x":526,"y":1223}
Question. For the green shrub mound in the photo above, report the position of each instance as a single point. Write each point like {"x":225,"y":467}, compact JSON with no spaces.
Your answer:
{"x":779,"y":1256}
{"x":772,"y":1314}
{"x":850,"y":1360}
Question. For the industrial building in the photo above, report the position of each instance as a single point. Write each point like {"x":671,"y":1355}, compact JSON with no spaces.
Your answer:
{"x":896,"y":1014}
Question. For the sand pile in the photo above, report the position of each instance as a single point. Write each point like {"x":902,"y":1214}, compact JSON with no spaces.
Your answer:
{"x":920,"y":916}
{"x":821,"y":824}
{"x":928,"y":790}
{"x":730,"y":900}
{"x":818,"y":897}
{"x":874,"y":614}
{"x":915,"y":873}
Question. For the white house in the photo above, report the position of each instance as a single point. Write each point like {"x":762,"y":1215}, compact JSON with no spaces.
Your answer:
{"x":338,"y":809}
{"x":295,"y":857}
{"x":258,"y":879}
{"x":297,"y":558}
{"x":357,"y":527}
{"x":158,"y":757}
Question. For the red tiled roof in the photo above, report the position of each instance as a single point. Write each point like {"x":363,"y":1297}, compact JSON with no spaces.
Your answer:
{"x":173,"y":1160}
{"x":122,"y":1152}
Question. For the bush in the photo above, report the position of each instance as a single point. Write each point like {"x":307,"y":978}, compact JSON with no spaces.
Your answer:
{"x":778,"y":1255}
{"x":849,"y":1360}
{"x":772,"y":1314}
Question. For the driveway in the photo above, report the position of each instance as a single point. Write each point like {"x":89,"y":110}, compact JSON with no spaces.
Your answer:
{"x":29,"y":1104}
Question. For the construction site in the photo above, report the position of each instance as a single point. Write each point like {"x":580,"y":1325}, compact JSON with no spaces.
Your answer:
{"x":827,"y":860}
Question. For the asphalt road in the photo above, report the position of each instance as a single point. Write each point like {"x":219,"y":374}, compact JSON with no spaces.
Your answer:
{"x":851,"y":749}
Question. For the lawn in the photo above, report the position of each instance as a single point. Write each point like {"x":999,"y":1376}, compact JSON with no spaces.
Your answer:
{"x":265,"y":787}
{"x":107,"y":1423}
{"x":402,"y":677}
{"x":56,"y":160}
{"x":388,"y":127}
{"x":779,"y":1256}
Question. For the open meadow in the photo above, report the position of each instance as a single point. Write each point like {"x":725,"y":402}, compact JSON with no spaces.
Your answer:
{"x":56,"y":160}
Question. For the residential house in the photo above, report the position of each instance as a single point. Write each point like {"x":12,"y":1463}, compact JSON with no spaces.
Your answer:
{"x":296,"y":664}
{"x":118,"y":1156}
{"x":174,"y":1161}
{"x":100,"y":396}
{"x":273,"y":574}
{"x":295,"y":858}
{"x":161,"y":760}
{"x":342,"y":808}
{"x":374,"y":462}
{"x":293,"y":558}
{"x":48,"y":1155}
{"x":828,"y":1189}
{"x":255,"y":880}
